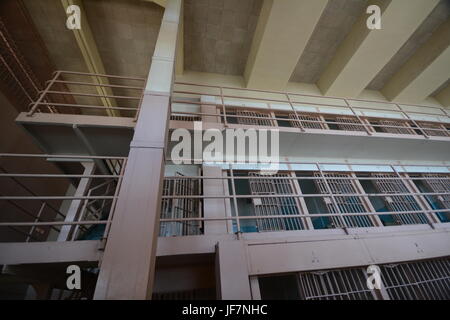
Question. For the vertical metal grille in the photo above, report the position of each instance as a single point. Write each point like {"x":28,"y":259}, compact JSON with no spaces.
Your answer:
{"x":349,"y":124}
{"x":255,"y":118}
{"x":439,"y":186}
{"x":298,"y":123}
{"x":195,"y":294}
{"x":180,"y":208}
{"x":346,"y":204}
{"x":274,"y":206}
{"x":423,"y":280}
{"x":185,"y":118}
{"x":398,"y":202}
{"x":406,"y":129}
{"x":345,"y":284}
{"x":442,"y":132}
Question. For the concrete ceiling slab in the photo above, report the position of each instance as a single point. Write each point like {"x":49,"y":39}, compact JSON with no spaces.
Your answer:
{"x":423,"y":33}
{"x":335,"y":23}
{"x":218,"y":34}
{"x":125,"y":32}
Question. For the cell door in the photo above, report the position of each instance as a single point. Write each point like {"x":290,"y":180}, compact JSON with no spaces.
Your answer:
{"x":269,"y":206}
{"x":345,"y":204}
{"x":385,"y":184}
{"x":180,"y":207}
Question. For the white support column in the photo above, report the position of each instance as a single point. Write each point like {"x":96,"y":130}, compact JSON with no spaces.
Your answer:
{"x":128,"y":265}
{"x":214,"y":208}
{"x":232,"y":271}
{"x":75,"y":205}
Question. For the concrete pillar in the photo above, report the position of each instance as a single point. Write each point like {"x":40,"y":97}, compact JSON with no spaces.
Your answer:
{"x":214,"y":208}
{"x":233,"y":282}
{"x":128,"y":264}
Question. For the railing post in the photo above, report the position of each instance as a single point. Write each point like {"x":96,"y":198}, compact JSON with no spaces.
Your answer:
{"x":133,"y":236}
{"x":302,"y":129}
{"x":358,"y":117}
{"x":413,"y":121}
{"x":43,"y":94}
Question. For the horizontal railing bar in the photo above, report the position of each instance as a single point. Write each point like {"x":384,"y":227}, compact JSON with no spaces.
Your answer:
{"x":300,"y":178}
{"x":307,"y":216}
{"x":304,"y":216}
{"x":269,"y":117}
{"x":99,"y":85}
{"x":55,"y":197}
{"x":100,"y":75}
{"x":91,"y":95}
{"x":50,"y":223}
{"x":324,"y":164}
{"x":37,"y":175}
{"x":85,"y":106}
{"x":303,"y":103}
{"x":308,"y":195}
{"x":304,"y":113}
{"x":31,"y":155}
{"x":296,"y":94}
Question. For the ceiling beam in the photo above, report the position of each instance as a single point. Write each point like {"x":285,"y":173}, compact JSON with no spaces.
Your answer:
{"x":365,"y":52}
{"x":282,"y":33}
{"x":424,"y":72}
{"x":444,"y":97}
{"x":161,"y":3}
{"x":91,"y":55}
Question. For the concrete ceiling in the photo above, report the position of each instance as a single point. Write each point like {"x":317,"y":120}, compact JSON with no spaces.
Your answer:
{"x":218,"y":34}
{"x":50,"y":20}
{"x":423,"y":33}
{"x":335,"y":23}
{"x":333,"y":42}
{"x":125,"y":33}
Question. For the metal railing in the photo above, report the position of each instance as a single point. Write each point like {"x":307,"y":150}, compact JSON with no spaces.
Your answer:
{"x":414,"y":280}
{"x":109,"y":95}
{"x":320,"y":199}
{"x":39,"y":217}
{"x":283,"y":109}
{"x":94,"y":94}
